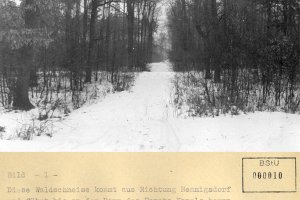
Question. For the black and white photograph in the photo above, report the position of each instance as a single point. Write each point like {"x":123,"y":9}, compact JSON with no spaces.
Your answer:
{"x":149,"y":75}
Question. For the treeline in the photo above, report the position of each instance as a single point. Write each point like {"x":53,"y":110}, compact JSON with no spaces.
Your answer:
{"x":65,"y":43}
{"x":246,"y":50}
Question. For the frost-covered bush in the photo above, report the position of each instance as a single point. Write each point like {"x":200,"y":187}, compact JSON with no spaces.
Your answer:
{"x":34,"y":128}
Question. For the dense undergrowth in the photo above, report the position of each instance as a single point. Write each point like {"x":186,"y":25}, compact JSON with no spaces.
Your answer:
{"x":197,"y":96}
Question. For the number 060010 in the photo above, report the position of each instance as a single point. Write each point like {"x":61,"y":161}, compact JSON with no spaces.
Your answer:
{"x":267,"y":175}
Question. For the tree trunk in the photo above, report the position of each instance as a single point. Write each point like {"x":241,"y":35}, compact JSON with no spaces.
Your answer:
{"x":130,"y":24}
{"x":84,"y":31}
{"x":269,"y":19}
{"x":20,"y":95}
{"x":76,"y":69}
{"x":215,"y":41}
{"x":285,"y":16}
{"x":107,"y":39}
{"x":94,"y":13}
{"x":21,"y":99}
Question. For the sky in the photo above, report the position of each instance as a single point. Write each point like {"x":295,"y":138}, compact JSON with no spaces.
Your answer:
{"x":162,"y":19}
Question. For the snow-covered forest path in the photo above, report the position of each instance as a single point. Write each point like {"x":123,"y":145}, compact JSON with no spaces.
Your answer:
{"x":142,"y":119}
{"x":131,"y":121}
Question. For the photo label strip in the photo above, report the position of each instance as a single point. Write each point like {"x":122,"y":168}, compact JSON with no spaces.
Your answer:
{"x":149,"y":176}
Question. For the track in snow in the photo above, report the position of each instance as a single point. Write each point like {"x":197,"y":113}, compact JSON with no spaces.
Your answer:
{"x":135,"y":120}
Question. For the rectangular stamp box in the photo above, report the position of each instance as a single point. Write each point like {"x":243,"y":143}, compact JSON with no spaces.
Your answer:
{"x":269,"y":175}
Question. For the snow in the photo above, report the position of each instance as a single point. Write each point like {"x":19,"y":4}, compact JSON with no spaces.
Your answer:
{"x":12,"y":121}
{"x":143,"y":120}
